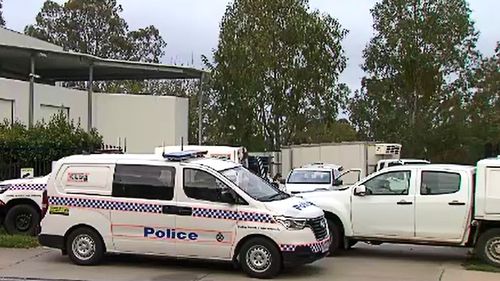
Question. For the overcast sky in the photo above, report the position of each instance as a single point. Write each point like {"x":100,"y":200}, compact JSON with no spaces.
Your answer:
{"x":191,"y":27}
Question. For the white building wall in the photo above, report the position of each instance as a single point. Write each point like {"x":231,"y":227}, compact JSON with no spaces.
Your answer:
{"x":145,"y":121}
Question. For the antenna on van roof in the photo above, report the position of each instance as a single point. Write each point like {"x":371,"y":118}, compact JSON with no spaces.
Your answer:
{"x":182,"y":143}
{"x":163,"y":147}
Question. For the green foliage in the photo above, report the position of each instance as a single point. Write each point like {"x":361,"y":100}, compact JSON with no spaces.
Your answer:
{"x":95,"y":27}
{"x":2,"y":21}
{"x":419,"y":73}
{"x":275,"y":72}
{"x":45,"y":141}
{"x":17,"y":241}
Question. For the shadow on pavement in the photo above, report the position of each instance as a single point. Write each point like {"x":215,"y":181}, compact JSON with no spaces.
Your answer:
{"x":408,"y":252}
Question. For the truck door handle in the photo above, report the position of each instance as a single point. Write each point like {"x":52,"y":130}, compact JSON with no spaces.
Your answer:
{"x":456,"y":203}
{"x":185,"y":211}
{"x":403,"y":202}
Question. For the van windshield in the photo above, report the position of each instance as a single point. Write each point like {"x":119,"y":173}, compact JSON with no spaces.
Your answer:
{"x":310,"y":177}
{"x":253,"y":185}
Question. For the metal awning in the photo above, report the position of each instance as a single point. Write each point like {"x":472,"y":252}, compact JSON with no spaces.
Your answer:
{"x":53,"y":65}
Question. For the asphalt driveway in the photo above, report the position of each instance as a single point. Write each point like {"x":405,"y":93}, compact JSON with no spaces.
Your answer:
{"x":364,"y":262}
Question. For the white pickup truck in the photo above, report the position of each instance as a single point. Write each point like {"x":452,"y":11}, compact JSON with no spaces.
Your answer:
{"x":448,"y":205}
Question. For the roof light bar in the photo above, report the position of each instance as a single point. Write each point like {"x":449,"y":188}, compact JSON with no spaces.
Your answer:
{"x":184,"y":155}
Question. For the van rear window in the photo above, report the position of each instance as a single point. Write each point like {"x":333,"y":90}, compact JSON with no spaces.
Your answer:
{"x":144,"y":182}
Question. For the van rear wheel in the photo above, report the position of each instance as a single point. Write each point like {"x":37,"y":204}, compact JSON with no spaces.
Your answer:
{"x":260,"y":258}
{"x":85,"y":246}
{"x":488,"y":247}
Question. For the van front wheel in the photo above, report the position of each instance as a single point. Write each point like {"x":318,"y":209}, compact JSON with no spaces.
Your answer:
{"x":85,"y":246}
{"x":488,"y":247}
{"x":260,"y":258}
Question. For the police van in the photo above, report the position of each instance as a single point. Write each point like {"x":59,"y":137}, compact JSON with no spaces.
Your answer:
{"x":179,"y":205}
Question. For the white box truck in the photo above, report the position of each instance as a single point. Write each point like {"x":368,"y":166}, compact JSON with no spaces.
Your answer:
{"x":349,"y":155}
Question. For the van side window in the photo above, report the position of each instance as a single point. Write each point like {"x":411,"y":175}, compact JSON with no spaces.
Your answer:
{"x":436,"y":183}
{"x":201,"y":185}
{"x":144,"y":182}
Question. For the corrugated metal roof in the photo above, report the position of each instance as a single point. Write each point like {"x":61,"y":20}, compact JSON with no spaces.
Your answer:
{"x":52,"y":63}
{"x":13,"y":38}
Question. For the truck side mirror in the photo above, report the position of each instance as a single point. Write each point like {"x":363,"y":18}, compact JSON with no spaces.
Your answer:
{"x":360,"y":190}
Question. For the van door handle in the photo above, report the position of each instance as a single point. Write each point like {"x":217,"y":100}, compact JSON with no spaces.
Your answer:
{"x":456,"y":203}
{"x":169,"y":210}
{"x":185,"y":211}
{"x":404,"y":202}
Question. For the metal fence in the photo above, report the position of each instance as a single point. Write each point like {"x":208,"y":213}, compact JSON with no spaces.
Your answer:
{"x":12,"y":170}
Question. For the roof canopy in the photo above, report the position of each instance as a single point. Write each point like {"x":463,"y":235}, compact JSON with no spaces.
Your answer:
{"x":55,"y":65}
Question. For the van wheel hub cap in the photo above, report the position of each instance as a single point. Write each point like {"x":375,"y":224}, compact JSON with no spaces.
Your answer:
{"x":258,"y":258}
{"x":493,"y":249}
{"x":83,"y":247}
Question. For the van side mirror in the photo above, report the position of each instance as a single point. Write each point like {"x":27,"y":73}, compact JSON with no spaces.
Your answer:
{"x":282,"y":181}
{"x":360,"y":190}
{"x":226,"y":195}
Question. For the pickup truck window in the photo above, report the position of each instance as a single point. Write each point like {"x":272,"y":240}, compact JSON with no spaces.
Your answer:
{"x":436,"y":183}
{"x":391,"y":183}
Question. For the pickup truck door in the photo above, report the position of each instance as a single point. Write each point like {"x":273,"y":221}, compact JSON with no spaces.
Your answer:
{"x":443,"y":205}
{"x":387,"y":208}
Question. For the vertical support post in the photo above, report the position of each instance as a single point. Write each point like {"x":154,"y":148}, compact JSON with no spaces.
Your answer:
{"x":31,"y":99}
{"x":90,"y":110}
{"x":200,"y":110}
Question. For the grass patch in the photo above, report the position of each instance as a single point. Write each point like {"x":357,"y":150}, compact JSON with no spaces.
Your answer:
{"x":478,"y":265}
{"x":17,"y":241}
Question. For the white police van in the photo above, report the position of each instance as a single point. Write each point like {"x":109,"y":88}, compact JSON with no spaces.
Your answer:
{"x":180,"y":205}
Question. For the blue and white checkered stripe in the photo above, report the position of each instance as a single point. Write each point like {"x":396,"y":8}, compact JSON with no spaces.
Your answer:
{"x":288,"y":248}
{"x":28,"y":186}
{"x":316,"y":247}
{"x":232,"y":215}
{"x":105,"y":205}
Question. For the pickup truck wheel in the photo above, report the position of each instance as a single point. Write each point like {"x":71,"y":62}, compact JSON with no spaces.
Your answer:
{"x":488,"y":247}
{"x":351,"y":244}
{"x":260,"y":258}
{"x":335,"y":237}
{"x":22,"y":219}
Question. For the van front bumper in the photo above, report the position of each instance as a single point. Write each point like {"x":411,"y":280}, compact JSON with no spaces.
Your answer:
{"x":301,"y":255}
{"x":51,"y":241}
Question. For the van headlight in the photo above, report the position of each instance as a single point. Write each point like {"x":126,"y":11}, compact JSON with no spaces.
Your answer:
{"x":4,"y":187}
{"x":291,"y":223}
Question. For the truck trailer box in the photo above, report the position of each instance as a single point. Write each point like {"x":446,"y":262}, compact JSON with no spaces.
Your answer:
{"x":349,"y":155}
